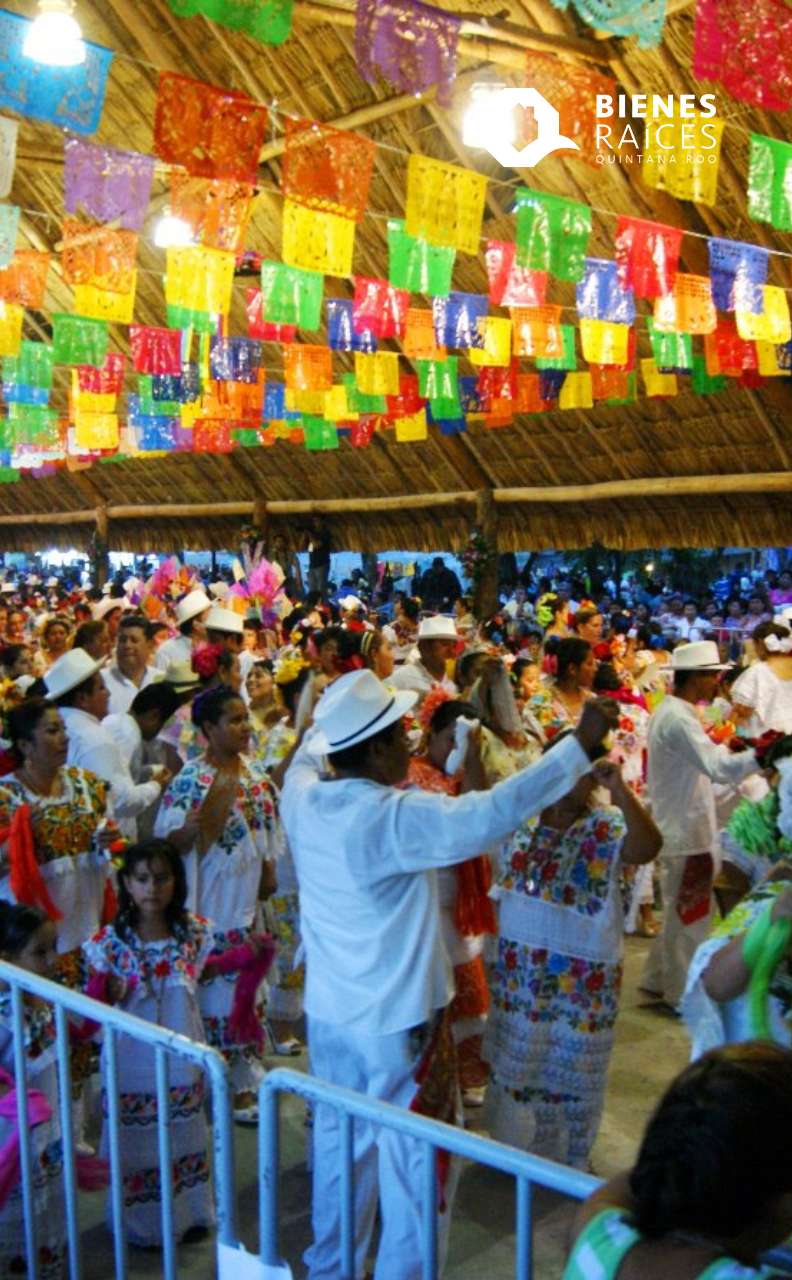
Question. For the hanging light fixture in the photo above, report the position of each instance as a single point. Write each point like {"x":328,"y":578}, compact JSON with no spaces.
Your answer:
{"x":55,"y":38}
{"x":172,"y":232}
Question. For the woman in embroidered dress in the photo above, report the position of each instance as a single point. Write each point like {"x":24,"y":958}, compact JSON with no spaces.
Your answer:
{"x":466,"y":912}
{"x":558,"y":704}
{"x":556,"y":981}
{"x":27,"y":939}
{"x":220,"y":813}
{"x":262,"y":703}
{"x":216,"y":666}
{"x":711,"y":1190}
{"x":53,"y":833}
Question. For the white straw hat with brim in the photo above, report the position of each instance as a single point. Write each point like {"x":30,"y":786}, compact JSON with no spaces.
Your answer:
{"x":181,"y":676}
{"x":191,"y":605}
{"x":101,"y":608}
{"x":220,"y":619}
{"x":8,"y":588}
{"x":219,"y":589}
{"x":355,"y":707}
{"x":699,"y":655}
{"x":72,"y":669}
{"x":438,"y":627}
{"x":351,"y":602}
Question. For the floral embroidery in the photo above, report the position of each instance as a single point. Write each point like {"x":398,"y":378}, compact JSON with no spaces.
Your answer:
{"x":141,"y":1108}
{"x":570,"y":868}
{"x":255,"y":808}
{"x":183,"y":956}
{"x":64,"y":826}
{"x":544,"y":987}
{"x":143,"y":1186}
{"x":39,"y":1023}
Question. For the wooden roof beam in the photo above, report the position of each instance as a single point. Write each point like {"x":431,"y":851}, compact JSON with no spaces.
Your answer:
{"x":484,"y":40}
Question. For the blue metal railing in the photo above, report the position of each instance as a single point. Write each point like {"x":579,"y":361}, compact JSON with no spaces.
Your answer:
{"x":164,"y":1042}
{"x":527,"y":1170}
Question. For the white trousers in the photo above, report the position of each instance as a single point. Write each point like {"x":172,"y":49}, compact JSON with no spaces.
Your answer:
{"x":665,"y":972}
{"x":387,"y":1165}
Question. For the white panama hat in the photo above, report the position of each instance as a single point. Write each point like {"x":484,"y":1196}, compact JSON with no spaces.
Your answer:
{"x":181,"y":676}
{"x":72,"y":669}
{"x":438,"y":627}
{"x":191,"y":605}
{"x":101,"y":608}
{"x":700,"y":655}
{"x":220,"y":619}
{"x":355,"y":707}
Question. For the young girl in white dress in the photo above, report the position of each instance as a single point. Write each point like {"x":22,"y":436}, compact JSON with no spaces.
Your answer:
{"x":149,"y":962}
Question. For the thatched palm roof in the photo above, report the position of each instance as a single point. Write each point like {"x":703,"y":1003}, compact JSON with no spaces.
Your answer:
{"x":740,"y":433}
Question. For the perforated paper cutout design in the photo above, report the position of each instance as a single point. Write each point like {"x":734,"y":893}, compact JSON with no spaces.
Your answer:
{"x":445,"y":204}
{"x":109,"y":185}
{"x":317,"y":241}
{"x":210,"y":132}
{"x":411,"y":44}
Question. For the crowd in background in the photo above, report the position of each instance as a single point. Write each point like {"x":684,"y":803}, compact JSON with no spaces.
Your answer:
{"x":150,"y":727}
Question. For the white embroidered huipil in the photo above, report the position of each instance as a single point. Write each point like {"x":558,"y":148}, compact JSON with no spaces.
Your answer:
{"x":683,"y":764}
{"x":365,"y":854}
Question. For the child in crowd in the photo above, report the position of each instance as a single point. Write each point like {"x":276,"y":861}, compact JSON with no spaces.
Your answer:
{"x":150,"y":961}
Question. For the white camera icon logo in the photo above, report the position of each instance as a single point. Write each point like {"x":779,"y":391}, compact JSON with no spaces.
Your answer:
{"x":490,"y":124}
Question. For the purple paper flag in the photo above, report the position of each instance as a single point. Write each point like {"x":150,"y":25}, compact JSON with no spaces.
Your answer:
{"x":412,"y":44}
{"x":737,"y":271}
{"x":109,"y":184}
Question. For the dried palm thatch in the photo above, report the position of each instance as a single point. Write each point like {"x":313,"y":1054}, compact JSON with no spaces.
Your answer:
{"x":740,"y":434}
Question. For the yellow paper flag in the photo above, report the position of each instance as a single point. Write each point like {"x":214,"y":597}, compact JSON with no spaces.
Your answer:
{"x":497,"y":332}
{"x":10,"y":328}
{"x":445,"y":204}
{"x":657,"y":384}
{"x":772,"y":324}
{"x":199,"y":279}
{"x":101,"y":304}
{"x":317,"y":241}
{"x":412,"y":428}
{"x":604,"y":342}
{"x":377,"y":374}
{"x":575,"y":392}
{"x":682,"y":155}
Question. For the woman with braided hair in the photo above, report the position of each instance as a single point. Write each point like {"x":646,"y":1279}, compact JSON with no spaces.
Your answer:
{"x":711,"y":1189}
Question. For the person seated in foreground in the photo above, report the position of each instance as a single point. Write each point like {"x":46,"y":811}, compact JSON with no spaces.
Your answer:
{"x":711,"y":1190}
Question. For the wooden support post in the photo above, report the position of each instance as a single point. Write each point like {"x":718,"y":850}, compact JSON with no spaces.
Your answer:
{"x":261,"y":519}
{"x":101,"y":557}
{"x":485,"y":601}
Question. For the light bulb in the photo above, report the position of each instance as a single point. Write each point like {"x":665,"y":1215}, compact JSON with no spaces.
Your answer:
{"x":489,"y":112}
{"x":54,"y":38}
{"x":172,"y":232}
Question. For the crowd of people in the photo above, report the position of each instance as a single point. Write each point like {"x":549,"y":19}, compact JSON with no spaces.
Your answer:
{"x":240,"y":812}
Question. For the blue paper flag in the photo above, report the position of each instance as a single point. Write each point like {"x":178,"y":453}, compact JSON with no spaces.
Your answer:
{"x":70,"y":97}
{"x":341,"y":333}
{"x":235,"y":359}
{"x":456,"y":319}
{"x":600,"y":296}
{"x":737,"y":271}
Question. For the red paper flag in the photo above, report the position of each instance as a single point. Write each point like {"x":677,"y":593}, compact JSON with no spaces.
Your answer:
{"x":647,"y":256}
{"x":211,"y":132}
{"x":327,"y":169}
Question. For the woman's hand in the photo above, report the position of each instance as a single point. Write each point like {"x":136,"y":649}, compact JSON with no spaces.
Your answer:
{"x":213,"y":813}
{"x":268,"y":883}
{"x":186,"y":836}
{"x":609,"y":775}
{"x":107,"y":834}
{"x":116,"y":988}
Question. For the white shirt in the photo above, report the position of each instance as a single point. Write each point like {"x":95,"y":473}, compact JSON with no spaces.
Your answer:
{"x":122,"y":689}
{"x":177,"y":649}
{"x":125,"y":732}
{"x":413,"y":675}
{"x":683,"y":764}
{"x":92,"y":747}
{"x":369,"y":910}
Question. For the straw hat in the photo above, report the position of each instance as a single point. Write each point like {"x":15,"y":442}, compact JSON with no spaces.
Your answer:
{"x":220,"y":619}
{"x":438,"y":627}
{"x":74,"y":668}
{"x":181,"y":676}
{"x":355,"y":707}
{"x":191,"y":605}
{"x":700,"y":655}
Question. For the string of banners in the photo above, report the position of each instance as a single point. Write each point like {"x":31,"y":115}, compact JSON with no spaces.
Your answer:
{"x":424,"y":356}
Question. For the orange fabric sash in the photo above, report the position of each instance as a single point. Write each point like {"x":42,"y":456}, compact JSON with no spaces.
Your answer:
{"x":27,"y":882}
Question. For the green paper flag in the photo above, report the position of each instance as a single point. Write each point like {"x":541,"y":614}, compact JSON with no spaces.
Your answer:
{"x":185,"y":318}
{"x":437,"y":380}
{"x":8,"y":475}
{"x":567,"y":359}
{"x":417,"y":265}
{"x":151,"y":407}
{"x":319,"y":434}
{"x":770,"y":182}
{"x":359,"y":401}
{"x":247,"y":437}
{"x":703,"y":383}
{"x":31,"y":421}
{"x":670,"y":350}
{"x":32,"y":367}
{"x":78,"y":340}
{"x":268,"y":21}
{"x":552,"y":233}
{"x":291,"y":295}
